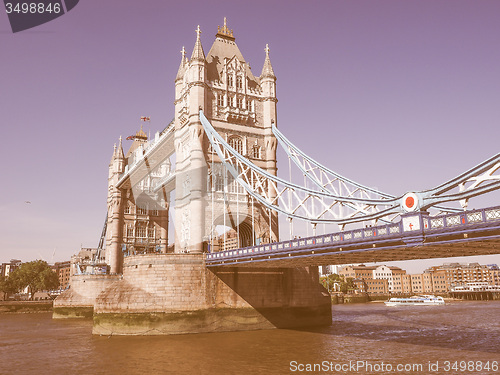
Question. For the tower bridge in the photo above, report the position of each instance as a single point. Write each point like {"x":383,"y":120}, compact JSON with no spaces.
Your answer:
{"x":214,"y":165}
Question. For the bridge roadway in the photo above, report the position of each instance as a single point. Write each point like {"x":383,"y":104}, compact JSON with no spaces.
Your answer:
{"x":416,"y":236}
{"x":145,"y":160}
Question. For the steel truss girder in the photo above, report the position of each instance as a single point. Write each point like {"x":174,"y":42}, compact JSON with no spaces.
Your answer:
{"x":324,"y":178}
{"x":476,"y":181}
{"x":328,"y":180}
{"x":291,"y":199}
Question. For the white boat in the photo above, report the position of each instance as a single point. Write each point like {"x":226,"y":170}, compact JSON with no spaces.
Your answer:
{"x":423,"y":300}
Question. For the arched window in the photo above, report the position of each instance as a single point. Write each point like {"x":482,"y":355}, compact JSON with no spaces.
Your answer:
{"x":237,"y":144}
{"x":239,"y":82}
{"x":230,"y":82}
{"x":220,"y":100}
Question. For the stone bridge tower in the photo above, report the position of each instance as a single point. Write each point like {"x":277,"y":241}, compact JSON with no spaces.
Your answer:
{"x":152,"y":290}
{"x":242,"y":107}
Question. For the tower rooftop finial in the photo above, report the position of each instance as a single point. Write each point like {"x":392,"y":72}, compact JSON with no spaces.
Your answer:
{"x":183,"y":53}
{"x":267,"y":69}
{"x":198,"y":53}
{"x":224,"y":31}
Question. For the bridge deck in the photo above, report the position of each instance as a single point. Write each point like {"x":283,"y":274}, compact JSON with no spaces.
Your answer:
{"x":466,"y":234}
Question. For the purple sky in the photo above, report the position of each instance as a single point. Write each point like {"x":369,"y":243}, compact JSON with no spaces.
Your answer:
{"x":397,"y":95}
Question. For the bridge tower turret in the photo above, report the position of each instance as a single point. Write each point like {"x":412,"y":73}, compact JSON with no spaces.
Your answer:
{"x":240,"y":106}
{"x":115,"y":211}
{"x":190,"y":164}
{"x":268,"y":83}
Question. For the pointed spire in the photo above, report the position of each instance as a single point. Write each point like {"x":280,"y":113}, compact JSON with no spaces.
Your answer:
{"x":114,"y":154}
{"x":182,"y":66}
{"x":120,"y":153}
{"x":198,"y":53}
{"x":267,"y":69}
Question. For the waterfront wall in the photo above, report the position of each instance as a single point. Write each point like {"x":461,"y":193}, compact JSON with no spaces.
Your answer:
{"x":78,"y":301}
{"x":175,"y":293}
{"x":476,"y":295}
{"x":25,"y":306}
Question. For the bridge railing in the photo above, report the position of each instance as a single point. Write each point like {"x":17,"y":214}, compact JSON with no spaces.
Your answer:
{"x":362,"y":237}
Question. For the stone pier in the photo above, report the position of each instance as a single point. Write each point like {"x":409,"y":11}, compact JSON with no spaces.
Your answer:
{"x":164,"y":294}
{"x":79,"y":300}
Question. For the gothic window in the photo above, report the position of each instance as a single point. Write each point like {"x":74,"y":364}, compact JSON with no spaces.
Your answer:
{"x":239,"y":102}
{"x":231,"y":101}
{"x":230,"y":80}
{"x":153,"y":212}
{"x":256,"y":152}
{"x":141,"y":230}
{"x":220,"y":100}
{"x":233,"y":186}
{"x":230,"y":184}
{"x":130,"y":230}
{"x":219,"y":182}
{"x":151,"y":232}
{"x":127,"y":208}
{"x":237,"y":144}
{"x":142,"y":210}
{"x":239,"y":82}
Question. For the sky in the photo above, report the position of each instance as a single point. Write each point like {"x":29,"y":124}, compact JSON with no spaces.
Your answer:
{"x":396,"y":95}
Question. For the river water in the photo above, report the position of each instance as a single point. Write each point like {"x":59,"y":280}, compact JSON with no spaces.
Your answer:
{"x":458,"y":338}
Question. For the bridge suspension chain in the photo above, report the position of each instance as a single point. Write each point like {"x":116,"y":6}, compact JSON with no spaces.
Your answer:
{"x":337,"y":199}
{"x":291,"y":199}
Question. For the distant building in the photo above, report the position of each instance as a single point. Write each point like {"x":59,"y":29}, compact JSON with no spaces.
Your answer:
{"x":440,"y":284}
{"x":328,"y":270}
{"x":401,"y":283}
{"x":459,"y":274}
{"x":226,"y":241}
{"x":375,"y":279}
{"x":377,"y":286}
{"x":7,"y":268}
{"x":436,"y":279}
{"x":63,"y":271}
{"x":494,"y":274}
{"x":357,"y":272}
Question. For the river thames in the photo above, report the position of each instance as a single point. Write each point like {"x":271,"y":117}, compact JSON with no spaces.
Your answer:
{"x":462,"y":337}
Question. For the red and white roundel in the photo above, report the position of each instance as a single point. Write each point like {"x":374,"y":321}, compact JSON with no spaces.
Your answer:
{"x":410,"y":202}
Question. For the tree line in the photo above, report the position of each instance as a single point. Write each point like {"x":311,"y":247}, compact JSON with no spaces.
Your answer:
{"x":35,"y":275}
{"x":337,"y":283}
